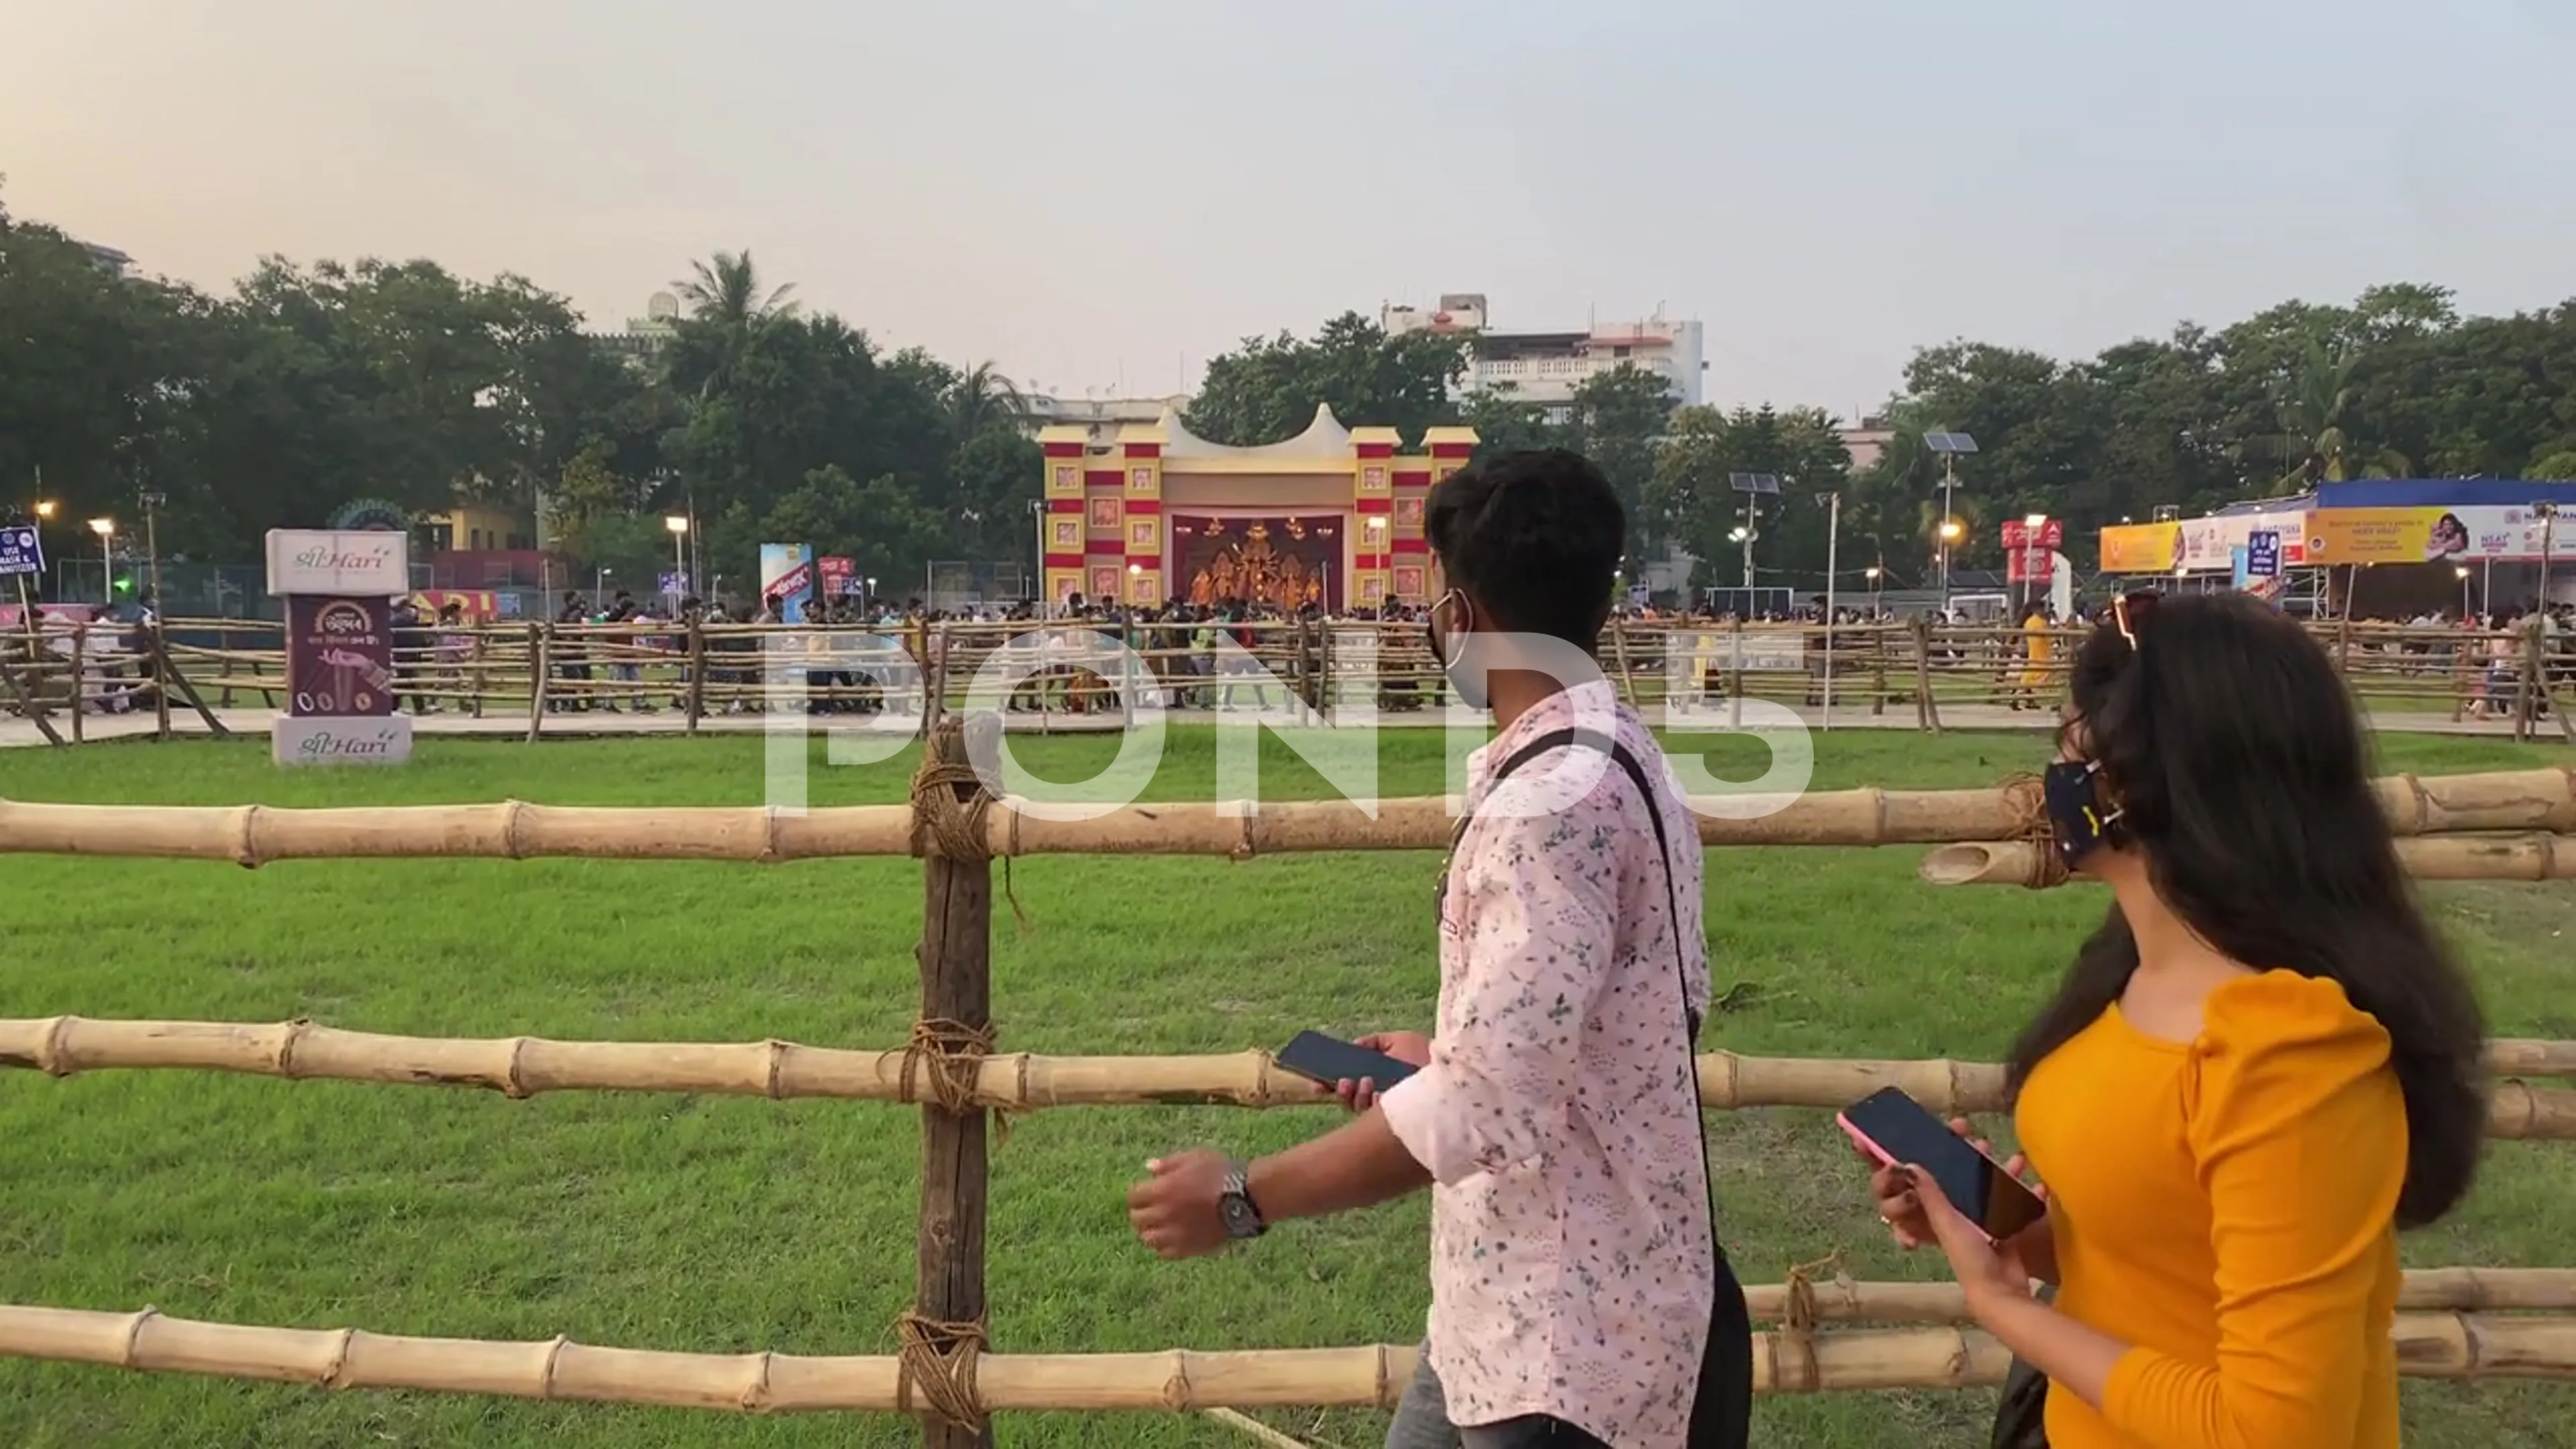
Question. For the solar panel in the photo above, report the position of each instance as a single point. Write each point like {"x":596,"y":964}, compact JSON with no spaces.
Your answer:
{"x":1950,"y":442}
{"x":1740,"y":482}
{"x":1767,"y":483}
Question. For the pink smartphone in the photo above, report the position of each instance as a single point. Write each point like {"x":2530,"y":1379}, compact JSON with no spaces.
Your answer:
{"x":1894,"y":1129}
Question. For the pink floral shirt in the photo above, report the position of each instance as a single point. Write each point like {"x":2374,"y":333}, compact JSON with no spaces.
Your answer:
{"x":1570,"y":1263}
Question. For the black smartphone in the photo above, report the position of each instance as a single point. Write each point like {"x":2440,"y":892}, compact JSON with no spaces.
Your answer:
{"x":1895,"y":1129}
{"x":1320,"y":1058}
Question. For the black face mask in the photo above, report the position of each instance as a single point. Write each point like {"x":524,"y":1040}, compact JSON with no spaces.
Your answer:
{"x":2076,"y":819}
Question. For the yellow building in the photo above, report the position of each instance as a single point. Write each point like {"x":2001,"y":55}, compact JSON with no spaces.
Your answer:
{"x":1332,"y":516}
{"x":477,"y":528}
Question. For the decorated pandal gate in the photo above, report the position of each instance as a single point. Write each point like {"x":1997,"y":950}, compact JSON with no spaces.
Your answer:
{"x":1331,"y":517}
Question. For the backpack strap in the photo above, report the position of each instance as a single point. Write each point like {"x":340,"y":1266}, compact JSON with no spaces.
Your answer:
{"x":1722,"y":1399}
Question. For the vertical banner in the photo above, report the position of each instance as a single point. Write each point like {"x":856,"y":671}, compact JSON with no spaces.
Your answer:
{"x":787,"y":575}
{"x":342,"y":677}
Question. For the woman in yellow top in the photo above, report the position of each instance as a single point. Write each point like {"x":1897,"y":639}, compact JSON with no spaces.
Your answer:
{"x":2259,"y":1068}
{"x":2035,"y":650}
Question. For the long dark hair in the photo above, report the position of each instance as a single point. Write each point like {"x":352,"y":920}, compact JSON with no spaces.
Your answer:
{"x":2233,"y":750}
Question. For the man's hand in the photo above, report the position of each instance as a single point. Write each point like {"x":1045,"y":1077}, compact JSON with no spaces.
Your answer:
{"x":1409,"y":1047}
{"x":1175,"y":1210}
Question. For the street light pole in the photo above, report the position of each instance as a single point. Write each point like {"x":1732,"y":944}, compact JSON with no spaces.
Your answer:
{"x":678,"y":524}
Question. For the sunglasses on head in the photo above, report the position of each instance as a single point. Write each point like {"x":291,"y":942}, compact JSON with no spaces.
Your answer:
{"x":2130,"y":612}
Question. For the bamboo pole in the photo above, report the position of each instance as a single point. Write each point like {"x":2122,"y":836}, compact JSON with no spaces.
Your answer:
{"x":2424,"y":1290}
{"x":2531,"y":856}
{"x":955,"y":1026}
{"x":253,"y":835}
{"x":2429,"y":1345}
{"x":524,"y":1066}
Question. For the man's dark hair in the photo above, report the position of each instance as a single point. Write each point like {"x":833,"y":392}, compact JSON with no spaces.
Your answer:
{"x":1535,"y":537}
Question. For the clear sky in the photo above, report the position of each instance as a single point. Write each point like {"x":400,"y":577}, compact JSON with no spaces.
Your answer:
{"x":1102,"y":195}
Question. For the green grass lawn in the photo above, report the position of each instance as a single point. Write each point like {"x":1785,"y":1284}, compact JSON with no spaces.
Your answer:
{"x":724,"y":1224}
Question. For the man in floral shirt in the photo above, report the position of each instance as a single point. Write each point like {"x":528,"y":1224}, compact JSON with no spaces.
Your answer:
{"x":1578,"y":1298}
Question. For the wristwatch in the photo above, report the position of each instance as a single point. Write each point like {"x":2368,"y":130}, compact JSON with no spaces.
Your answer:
{"x":1234,"y":1205}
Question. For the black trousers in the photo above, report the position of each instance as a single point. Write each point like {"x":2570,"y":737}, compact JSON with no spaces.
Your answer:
{"x":1721,"y":1412}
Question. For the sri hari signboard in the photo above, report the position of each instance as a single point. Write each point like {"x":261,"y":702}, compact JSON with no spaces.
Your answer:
{"x":373,"y":564}
{"x":340,"y":667}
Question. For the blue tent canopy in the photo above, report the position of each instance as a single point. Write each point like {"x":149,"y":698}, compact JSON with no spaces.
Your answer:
{"x":2442,"y":493}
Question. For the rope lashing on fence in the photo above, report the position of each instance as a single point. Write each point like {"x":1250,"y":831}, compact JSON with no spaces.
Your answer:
{"x":949,"y":1055}
{"x":939,"y":1359}
{"x":951,"y":806}
{"x":1798,"y":1324}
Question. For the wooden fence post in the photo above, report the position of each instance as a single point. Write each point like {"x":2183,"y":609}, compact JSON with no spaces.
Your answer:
{"x":1878,"y":668}
{"x":944,"y":1331}
{"x":1924,"y":710}
{"x":696,"y":689}
{"x":1619,"y":653}
{"x":539,"y":638}
{"x":159,"y":664}
{"x":80,"y":676}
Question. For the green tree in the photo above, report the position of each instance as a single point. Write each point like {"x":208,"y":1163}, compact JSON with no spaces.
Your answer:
{"x":1617,"y":420}
{"x":1267,"y":389}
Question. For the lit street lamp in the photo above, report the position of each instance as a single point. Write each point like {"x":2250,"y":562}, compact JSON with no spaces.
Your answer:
{"x":105,"y":528}
{"x":1951,"y":447}
{"x":678,"y":524}
{"x":2461,"y":572}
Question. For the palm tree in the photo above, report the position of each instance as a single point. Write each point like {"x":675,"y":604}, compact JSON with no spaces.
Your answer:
{"x":2313,"y":438}
{"x":984,"y":398}
{"x":726,"y":289}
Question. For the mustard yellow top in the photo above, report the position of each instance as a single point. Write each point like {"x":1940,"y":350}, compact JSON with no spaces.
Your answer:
{"x":2227,"y":1206}
{"x":2037,"y":642}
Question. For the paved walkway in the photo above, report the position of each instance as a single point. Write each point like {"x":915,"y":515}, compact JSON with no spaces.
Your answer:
{"x":15,"y":731}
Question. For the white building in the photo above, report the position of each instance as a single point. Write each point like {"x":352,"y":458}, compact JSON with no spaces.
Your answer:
{"x":645,"y":337}
{"x":1546,"y":367}
{"x":1100,"y":416}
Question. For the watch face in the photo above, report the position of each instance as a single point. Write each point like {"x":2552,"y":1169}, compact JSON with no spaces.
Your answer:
{"x":1240,"y":1220}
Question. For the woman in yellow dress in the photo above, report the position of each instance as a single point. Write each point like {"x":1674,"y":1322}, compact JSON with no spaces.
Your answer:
{"x":2036,"y":646}
{"x":2262,"y":1066}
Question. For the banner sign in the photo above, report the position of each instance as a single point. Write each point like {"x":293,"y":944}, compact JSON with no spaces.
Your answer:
{"x":839,"y":576}
{"x":2202,"y":545}
{"x":2142,"y":548}
{"x":2424,"y":535}
{"x":2262,"y":554}
{"x":373,"y":564}
{"x":2019,"y":535}
{"x":342,"y":741}
{"x":2022,"y":565}
{"x":339,"y":657}
{"x":21,"y":551}
{"x":787,"y":575}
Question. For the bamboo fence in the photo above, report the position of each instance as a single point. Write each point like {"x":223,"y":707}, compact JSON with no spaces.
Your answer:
{"x":2532,"y":855}
{"x":2450,"y":1345}
{"x":952,"y":1072}
{"x":1012,"y":1082}
{"x":547,"y":671}
{"x":2530,"y":801}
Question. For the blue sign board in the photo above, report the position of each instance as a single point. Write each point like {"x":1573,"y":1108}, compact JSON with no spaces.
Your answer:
{"x":2263,"y":554}
{"x":20,"y":552}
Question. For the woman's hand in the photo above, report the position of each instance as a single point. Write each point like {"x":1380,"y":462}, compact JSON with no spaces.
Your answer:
{"x":1990,"y":1274}
{"x":1902,"y":1210}
{"x":1409,"y":1047}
